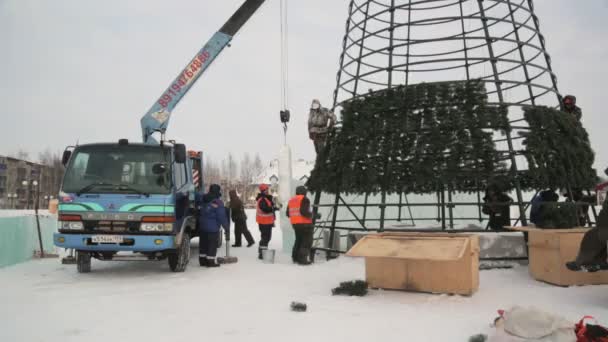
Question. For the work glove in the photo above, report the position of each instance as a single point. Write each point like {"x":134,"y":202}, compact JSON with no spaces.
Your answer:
{"x":318,"y":216}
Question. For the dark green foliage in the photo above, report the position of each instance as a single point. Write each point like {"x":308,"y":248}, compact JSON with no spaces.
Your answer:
{"x":298,"y":307}
{"x":351,"y":288}
{"x":558,"y":215}
{"x":418,"y":139}
{"x":558,"y":151}
{"x":478,"y":338}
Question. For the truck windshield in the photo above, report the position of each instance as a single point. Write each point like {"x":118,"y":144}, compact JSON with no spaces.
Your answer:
{"x":118,"y":169}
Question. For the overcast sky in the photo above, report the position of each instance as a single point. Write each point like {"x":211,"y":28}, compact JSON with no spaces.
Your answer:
{"x":86,"y":71}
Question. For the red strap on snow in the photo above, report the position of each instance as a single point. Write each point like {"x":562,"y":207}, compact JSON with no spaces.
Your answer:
{"x":581,"y":331}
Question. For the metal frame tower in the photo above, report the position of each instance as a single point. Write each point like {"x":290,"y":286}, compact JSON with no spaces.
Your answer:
{"x":403,"y":42}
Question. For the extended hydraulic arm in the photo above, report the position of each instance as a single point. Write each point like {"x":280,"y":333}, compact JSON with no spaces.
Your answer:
{"x":157,"y":118}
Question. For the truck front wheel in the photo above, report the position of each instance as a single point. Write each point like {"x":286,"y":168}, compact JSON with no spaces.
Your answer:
{"x":83,"y":262}
{"x":179,"y":260}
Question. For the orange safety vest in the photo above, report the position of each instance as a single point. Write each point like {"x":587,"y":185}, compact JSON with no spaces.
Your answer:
{"x":295,"y":216}
{"x":262,"y":217}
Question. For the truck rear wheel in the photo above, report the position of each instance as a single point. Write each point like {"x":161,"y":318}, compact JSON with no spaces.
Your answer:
{"x":178,"y":261}
{"x":83,"y":262}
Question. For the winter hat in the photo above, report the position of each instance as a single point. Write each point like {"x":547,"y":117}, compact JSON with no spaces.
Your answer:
{"x":570,"y":98}
{"x":263,"y":187}
{"x":215,"y":189}
{"x":301,"y":190}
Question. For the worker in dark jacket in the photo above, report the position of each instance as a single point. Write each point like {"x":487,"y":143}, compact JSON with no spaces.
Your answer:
{"x":537,"y":205}
{"x":569,"y":106}
{"x":212,"y":216}
{"x":592,"y":255}
{"x":300,"y":216}
{"x":237,"y":212}
{"x":498,"y":206}
{"x":265,"y":217}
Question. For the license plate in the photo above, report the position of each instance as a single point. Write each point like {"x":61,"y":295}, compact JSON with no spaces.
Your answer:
{"x":107,"y":239}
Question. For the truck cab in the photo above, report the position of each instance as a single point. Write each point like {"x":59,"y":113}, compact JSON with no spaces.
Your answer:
{"x":124,"y":197}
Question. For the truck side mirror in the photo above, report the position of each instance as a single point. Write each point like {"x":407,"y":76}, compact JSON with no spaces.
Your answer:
{"x":179,"y":151}
{"x":66,"y":157}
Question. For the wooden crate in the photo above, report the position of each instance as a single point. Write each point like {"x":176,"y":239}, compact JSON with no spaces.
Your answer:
{"x":424,"y":262}
{"x":53,"y":205}
{"x":550,"y":249}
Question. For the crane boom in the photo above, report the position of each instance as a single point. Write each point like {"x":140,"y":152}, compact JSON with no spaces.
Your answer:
{"x":157,"y":118}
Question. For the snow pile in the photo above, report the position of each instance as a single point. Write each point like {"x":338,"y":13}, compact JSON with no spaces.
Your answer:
{"x":19,"y":213}
{"x":43,"y":300}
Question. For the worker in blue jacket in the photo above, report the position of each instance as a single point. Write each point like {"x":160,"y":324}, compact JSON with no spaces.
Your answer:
{"x":212,"y":216}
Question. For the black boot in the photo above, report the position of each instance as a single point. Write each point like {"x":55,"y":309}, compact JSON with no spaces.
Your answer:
{"x":202,"y":261}
{"x":212,"y":263}
{"x":591,"y":268}
{"x":235,"y":245}
{"x":250,"y":243}
{"x":260,"y":254}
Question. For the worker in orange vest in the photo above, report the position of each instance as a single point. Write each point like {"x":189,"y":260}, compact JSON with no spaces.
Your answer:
{"x":265,"y":217}
{"x":300,"y":216}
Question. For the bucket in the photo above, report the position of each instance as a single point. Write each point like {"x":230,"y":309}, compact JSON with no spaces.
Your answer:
{"x":268,"y":256}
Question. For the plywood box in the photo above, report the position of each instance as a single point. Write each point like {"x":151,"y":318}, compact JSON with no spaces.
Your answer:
{"x":550,"y":249}
{"x":425,"y":262}
{"x":53,"y":204}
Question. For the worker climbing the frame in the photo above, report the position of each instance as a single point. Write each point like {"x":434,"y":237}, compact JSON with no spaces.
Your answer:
{"x":320,"y":121}
{"x":265,"y":217}
{"x":569,"y":106}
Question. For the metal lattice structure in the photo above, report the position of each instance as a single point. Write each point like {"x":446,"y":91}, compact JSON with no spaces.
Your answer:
{"x":389,"y":43}
{"x":402,"y":42}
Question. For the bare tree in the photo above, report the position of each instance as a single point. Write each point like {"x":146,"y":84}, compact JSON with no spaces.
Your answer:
{"x":211,"y":172}
{"x":23,"y":155}
{"x":245,"y":174}
{"x":51,"y":173}
{"x":232,"y":168}
{"x":257,"y":166}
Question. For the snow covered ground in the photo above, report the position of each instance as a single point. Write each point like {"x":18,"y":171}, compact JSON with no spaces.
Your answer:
{"x":17,"y":213}
{"x":43,"y":300}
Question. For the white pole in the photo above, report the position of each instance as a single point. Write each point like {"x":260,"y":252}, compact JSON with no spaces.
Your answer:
{"x":285,"y":193}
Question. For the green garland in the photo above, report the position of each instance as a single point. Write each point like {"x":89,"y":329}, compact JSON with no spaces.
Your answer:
{"x":558,"y":151}
{"x":351,"y":288}
{"x":418,"y":139}
{"x":435,"y":136}
{"x":559,"y":215}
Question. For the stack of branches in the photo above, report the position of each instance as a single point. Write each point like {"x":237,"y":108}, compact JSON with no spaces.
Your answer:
{"x":417,"y":139}
{"x":351,"y":288}
{"x":558,"y":151}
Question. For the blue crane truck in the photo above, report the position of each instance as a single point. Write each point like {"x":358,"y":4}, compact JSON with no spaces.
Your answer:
{"x":139,"y":197}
